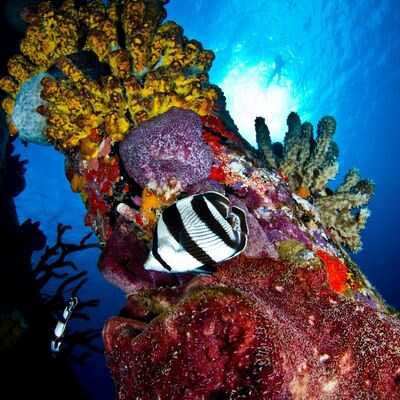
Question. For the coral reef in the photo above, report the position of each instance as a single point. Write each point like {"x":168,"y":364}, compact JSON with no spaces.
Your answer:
{"x":257,"y":320}
{"x":97,"y":181}
{"x":30,"y":310}
{"x":159,"y":69}
{"x":257,"y":329}
{"x":21,"y":319}
{"x":308,"y":164}
{"x":126,"y":97}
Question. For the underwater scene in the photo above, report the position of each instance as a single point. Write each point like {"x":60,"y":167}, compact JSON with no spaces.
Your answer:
{"x":199,"y":199}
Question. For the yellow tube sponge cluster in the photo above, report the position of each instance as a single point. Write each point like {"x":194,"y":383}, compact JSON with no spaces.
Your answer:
{"x":151,"y":68}
{"x":51,"y":34}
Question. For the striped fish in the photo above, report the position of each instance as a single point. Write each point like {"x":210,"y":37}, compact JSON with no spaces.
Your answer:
{"x":197,"y":231}
{"x":61,"y":327}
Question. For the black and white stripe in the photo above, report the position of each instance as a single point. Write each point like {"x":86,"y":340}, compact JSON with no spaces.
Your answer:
{"x":196,"y":231}
{"x":220,"y":202}
{"x":61,"y":327}
{"x":176,"y":221}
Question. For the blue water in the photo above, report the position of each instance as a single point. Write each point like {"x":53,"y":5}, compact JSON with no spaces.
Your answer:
{"x":316,"y":57}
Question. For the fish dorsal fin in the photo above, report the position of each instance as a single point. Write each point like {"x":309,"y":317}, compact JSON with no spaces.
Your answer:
{"x":219,"y":201}
{"x":214,"y":223}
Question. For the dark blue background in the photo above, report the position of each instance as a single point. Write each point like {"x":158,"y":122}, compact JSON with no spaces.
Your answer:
{"x":315,"y":57}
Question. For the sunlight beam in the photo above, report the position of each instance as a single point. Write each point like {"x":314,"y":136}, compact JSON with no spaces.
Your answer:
{"x":254,"y":91}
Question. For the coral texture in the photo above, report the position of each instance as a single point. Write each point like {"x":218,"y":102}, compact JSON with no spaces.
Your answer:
{"x":343,"y":211}
{"x":309,"y":163}
{"x":33,"y":293}
{"x":126,"y":97}
{"x":290,"y":318}
{"x":30,"y":124}
{"x":158,"y":69}
{"x":168,"y":146}
{"x":257,"y":329}
{"x":122,"y":263}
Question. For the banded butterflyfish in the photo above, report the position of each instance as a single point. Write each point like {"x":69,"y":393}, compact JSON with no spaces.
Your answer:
{"x":61,"y":327}
{"x":197,"y":232}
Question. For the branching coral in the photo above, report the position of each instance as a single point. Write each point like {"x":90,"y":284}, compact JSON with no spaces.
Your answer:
{"x":308,"y":164}
{"x":343,"y":211}
{"x":36,"y":302}
{"x":30,"y":310}
{"x":55,"y":265}
{"x":34,"y":294}
{"x":153,"y":68}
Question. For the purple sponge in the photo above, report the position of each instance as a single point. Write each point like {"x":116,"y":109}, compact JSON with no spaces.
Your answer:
{"x":167,"y":146}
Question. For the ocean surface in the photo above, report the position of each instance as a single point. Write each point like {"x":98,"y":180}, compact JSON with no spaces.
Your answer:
{"x":316,"y":57}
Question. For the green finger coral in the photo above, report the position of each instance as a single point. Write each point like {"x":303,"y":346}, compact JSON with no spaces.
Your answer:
{"x":308,"y":163}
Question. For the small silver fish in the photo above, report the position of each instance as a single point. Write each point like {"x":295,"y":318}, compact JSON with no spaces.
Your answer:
{"x":197,"y":231}
{"x":60,"y":329}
